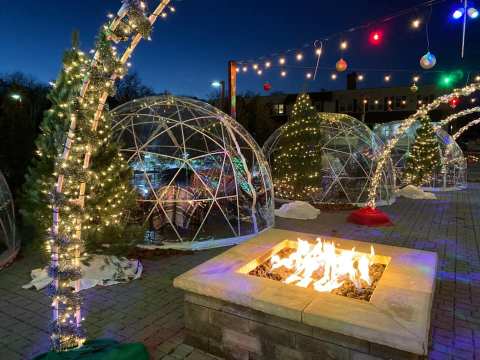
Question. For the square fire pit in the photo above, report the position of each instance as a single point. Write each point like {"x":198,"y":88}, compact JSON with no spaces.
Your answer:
{"x":236,"y":315}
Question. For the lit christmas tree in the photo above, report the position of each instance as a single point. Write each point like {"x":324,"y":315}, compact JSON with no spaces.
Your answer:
{"x":424,"y":157}
{"x":297,"y":167}
{"x":39,"y":180}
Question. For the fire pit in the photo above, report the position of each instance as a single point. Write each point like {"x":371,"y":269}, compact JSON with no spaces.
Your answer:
{"x":276,"y":297}
{"x":324,"y":268}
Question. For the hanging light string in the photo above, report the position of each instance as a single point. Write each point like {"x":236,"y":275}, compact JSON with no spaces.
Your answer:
{"x":318,"y":52}
{"x":401,"y":13}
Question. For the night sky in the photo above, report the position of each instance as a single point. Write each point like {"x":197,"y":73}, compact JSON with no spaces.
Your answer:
{"x":191,"y":48}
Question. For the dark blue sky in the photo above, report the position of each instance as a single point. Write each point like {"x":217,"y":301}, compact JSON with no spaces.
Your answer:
{"x":191,"y":48}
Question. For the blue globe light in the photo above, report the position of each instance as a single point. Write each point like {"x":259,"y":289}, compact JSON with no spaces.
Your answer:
{"x":473,"y":13}
{"x":457,"y":14}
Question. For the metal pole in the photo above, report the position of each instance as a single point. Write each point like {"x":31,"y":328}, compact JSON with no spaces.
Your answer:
{"x":465,"y":6}
{"x":232,"y":88}
{"x":222,"y":94}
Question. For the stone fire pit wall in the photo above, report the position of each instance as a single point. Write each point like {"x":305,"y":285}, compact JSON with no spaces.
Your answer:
{"x":237,"y":316}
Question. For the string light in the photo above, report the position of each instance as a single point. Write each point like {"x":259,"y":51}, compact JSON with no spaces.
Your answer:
{"x":344,"y":45}
{"x":88,"y":131}
{"x":462,"y":130}
{"x":360,"y":77}
{"x":376,"y":37}
{"x":387,"y":78}
{"x":255,"y":66}
{"x":318,"y":52}
{"x":268,"y":64}
{"x":299,"y":57}
{"x":309,"y":75}
{"x":416,"y":23}
{"x":283,"y":73}
{"x":244,"y":69}
{"x":282,"y":61}
{"x":333,"y":76}
{"x":416,"y":78}
{"x":259,"y":72}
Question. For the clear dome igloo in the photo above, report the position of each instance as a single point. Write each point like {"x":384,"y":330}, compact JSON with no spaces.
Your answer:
{"x":453,"y":173}
{"x":200,"y":176}
{"x":8,"y":242}
{"x":349,"y":150}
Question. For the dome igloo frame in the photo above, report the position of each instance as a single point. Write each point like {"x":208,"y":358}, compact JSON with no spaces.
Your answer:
{"x":349,"y":153}
{"x":9,"y":244}
{"x":202,"y":180}
{"x":453,"y":173}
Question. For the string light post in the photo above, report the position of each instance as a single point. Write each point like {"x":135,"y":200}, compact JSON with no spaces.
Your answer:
{"x":66,"y":243}
{"x":363,"y":216}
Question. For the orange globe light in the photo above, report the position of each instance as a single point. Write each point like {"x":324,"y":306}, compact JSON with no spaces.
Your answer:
{"x":341,"y":65}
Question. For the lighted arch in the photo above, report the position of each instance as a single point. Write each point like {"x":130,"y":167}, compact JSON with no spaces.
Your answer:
{"x":462,"y":130}
{"x":74,"y":337}
{"x":458,"y":115}
{"x":407,"y":123}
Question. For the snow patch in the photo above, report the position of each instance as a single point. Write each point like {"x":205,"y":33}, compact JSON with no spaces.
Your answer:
{"x":96,"y":270}
{"x":414,"y":192}
{"x":298,"y":210}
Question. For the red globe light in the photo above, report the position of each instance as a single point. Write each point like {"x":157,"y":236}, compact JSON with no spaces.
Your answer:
{"x":454,"y":102}
{"x":267,"y":86}
{"x":376,"y":37}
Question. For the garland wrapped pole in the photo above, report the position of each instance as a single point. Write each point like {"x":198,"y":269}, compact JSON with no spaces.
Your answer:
{"x":462,"y":130}
{"x":84,"y":137}
{"x":370,"y":215}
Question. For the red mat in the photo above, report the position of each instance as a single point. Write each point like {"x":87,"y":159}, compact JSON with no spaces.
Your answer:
{"x":368,"y":216}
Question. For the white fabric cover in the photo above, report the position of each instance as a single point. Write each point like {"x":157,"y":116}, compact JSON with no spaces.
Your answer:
{"x":298,"y":210}
{"x":96,"y":270}
{"x":414,"y":192}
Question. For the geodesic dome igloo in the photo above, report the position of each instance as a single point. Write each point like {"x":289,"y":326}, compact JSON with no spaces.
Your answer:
{"x":200,"y":176}
{"x":349,"y":151}
{"x":9,"y":244}
{"x":453,"y":173}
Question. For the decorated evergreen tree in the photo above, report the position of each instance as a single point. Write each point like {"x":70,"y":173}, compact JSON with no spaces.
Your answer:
{"x":39,"y":180}
{"x":297,"y":167}
{"x":424,"y":156}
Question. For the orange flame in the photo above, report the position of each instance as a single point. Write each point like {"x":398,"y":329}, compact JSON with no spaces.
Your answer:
{"x":331,"y":266}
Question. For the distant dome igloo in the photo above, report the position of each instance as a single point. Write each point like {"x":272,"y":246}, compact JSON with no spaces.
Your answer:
{"x":200,"y":176}
{"x":348,"y":151}
{"x":453,"y":173}
{"x":9,"y":245}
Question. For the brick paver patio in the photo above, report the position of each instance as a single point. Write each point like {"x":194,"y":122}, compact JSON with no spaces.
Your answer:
{"x":151,"y":310}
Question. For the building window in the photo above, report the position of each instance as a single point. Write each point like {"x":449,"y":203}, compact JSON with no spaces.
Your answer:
{"x":279,"y":109}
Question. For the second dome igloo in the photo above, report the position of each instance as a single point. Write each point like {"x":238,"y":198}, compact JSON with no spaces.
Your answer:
{"x":200,"y":176}
{"x":348,"y":150}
